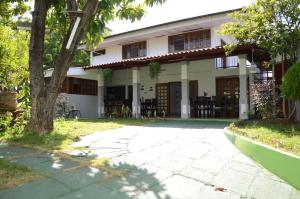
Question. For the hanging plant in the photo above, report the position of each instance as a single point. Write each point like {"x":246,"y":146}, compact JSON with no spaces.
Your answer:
{"x":107,"y":73}
{"x":155,"y":69}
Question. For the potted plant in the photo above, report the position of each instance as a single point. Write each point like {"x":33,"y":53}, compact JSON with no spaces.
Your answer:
{"x":107,"y":74}
{"x":154,"y":69}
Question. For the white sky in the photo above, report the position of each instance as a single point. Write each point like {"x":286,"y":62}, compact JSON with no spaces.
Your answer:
{"x":173,"y":10}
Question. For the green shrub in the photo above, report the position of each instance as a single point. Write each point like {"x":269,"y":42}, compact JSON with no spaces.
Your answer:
{"x":290,"y":88}
{"x":5,"y":121}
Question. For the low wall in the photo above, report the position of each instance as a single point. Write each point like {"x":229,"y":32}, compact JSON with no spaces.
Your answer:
{"x":284,"y":165}
{"x":87,"y":104}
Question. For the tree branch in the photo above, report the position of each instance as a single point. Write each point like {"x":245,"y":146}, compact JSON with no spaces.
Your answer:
{"x":72,"y":6}
{"x":65,"y":56}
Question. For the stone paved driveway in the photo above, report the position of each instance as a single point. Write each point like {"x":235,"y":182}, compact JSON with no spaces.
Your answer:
{"x":187,"y":160}
{"x":168,"y":160}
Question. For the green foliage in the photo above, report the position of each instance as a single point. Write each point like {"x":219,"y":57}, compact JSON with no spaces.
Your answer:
{"x":13,"y":57}
{"x":270,"y":24}
{"x":154,"y":69}
{"x":264,"y":99}
{"x":96,"y":28}
{"x":14,"y":75}
{"x":125,"y":111}
{"x":10,"y":9}
{"x":52,"y":48}
{"x":107,"y":73}
{"x":5,"y":121}
{"x":290,"y":87}
{"x":277,"y":133}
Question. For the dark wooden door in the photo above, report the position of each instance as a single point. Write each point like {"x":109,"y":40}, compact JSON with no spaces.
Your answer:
{"x":175,"y":99}
{"x":228,"y":87}
{"x":193,"y":94}
{"x":162,"y":96}
{"x":130,"y":92}
{"x":193,"y":89}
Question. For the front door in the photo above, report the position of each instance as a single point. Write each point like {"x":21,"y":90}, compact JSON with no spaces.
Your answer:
{"x":162,"y":96}
{"x":175,"y":99}
{"x":229,"y":87}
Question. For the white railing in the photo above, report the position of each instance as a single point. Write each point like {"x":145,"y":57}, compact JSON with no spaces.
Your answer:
{"x":227,"y":62}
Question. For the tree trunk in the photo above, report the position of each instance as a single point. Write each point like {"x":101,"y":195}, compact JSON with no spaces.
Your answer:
{"x":38,"y":121}
{"x":43,"y":96}
{"x":283,"y":99}
{"x":273,"y":91}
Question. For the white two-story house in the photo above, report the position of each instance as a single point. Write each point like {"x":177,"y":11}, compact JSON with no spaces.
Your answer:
{"x":196,"y":78}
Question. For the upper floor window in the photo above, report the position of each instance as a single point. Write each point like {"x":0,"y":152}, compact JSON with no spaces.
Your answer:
{"x":134,"y":50}
{"x":191,"y":40}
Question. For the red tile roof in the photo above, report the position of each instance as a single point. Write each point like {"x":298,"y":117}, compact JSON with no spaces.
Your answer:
{"x":187,"y":55}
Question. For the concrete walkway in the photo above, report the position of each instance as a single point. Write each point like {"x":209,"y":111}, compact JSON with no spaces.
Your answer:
{"x":175,"y":159}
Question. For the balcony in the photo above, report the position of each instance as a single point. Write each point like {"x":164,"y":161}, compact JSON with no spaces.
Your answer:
{"x":227,"y":62}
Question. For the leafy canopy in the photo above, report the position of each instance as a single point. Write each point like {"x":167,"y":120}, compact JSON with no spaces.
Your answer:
{"x":270,"y":24}
{"x":10,"y":9}
{"x":58,"y":22}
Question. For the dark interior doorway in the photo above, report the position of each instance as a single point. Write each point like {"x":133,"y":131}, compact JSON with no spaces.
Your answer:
{"x":175,"y":99}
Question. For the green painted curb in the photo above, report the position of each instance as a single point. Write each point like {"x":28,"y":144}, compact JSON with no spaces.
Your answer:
{"x":284,"y":165}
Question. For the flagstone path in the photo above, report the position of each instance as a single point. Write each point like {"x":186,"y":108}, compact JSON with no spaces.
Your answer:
{"x":168,"y":160}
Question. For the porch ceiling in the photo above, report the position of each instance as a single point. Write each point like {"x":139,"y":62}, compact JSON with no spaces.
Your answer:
{"x":188,"y":55}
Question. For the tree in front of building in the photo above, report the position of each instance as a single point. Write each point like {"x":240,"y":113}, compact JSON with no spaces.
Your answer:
{"x":77,"y":21}
{"x":269,"y":24}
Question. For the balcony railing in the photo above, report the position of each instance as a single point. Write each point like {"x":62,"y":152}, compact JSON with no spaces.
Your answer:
{"x":227,"y":62}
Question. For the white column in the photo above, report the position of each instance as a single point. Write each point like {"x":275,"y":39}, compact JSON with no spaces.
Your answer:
{"x":244,"y":106}
{"x":185,"y":101}
{"x":136,"y":106}
{"x":101,"y":111}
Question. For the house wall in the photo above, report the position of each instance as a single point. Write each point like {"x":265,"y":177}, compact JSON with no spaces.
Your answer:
{"x":87,"y":104}
{"x":157,"y":46}
{"x":204,"y":71}
{"x":112,"y":54}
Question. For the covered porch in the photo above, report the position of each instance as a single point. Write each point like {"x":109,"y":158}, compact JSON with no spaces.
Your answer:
{"x":193,"y":84}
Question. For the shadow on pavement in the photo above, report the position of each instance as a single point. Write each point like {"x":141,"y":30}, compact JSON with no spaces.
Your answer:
{"x":66,"y":179}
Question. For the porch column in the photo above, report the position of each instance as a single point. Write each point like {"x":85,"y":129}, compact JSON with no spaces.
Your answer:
{"x":101,"y":111}
{"x":244,"y":107}
{"x":185,"y":101}
{"x":136,"y":106}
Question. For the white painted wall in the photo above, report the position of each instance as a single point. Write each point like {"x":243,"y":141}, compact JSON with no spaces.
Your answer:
{"x":204,"y":71}
{"x":157,"y":46}
{"x":112,"y":54}
{"x":87,"y":104}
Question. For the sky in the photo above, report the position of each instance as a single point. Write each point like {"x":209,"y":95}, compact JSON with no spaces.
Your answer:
{"x":173,"y":10}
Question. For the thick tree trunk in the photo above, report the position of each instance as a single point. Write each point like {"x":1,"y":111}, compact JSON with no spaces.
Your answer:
{"x":38,"y":121}
{"x":43,"y":96}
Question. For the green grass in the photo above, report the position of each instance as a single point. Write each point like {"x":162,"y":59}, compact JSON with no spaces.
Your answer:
{"x":68,"y":131}
{"x":12,"y":175}
{"x":279,"y":134}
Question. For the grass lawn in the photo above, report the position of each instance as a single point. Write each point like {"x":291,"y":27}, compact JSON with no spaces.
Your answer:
{"x":68,"y":131}
{"x":12,"y":174}
{"x":279,"y":134}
